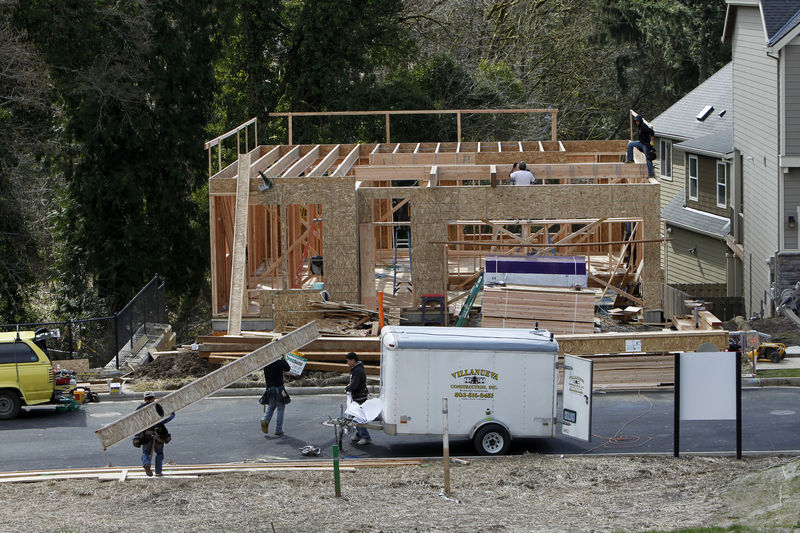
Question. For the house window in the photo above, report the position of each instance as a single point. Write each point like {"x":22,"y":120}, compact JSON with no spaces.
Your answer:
{"x":693,"y":177}
{"x":722,"y":184}
{"x":665,"y":149}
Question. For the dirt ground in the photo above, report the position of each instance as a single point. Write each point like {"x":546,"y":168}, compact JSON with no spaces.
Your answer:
{"x":520,"y":493}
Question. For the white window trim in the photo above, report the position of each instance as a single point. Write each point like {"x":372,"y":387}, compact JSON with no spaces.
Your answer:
{"x":665,"y":148}
{"x":695,"y":178}
{"x":724,"y":166}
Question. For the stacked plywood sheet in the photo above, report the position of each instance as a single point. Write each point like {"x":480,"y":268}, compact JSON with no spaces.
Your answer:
{"x":558,"y":310}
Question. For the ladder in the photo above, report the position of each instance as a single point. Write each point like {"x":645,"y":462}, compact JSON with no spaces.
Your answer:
{"x":401,"y":264}
{"x":464,"y":314}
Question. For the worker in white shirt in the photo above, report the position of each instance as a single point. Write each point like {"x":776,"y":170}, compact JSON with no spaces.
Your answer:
{"x":523,"y":176}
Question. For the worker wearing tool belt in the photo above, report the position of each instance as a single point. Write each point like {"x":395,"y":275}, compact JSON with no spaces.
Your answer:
{"x":358,"y":391}
{"x":153,"y":439}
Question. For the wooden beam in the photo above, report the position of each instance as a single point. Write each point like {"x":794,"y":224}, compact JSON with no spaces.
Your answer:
{"x":302,"y":164}
{"x":238,"y":295}
{"x":617,"y":290}
{"x":348,"y":162}
{"x":283,"y":163}
{"x":326,"y":162}
{"x":535,"y":245}
{"x":146,"y":417}
{"x":574,"y":234}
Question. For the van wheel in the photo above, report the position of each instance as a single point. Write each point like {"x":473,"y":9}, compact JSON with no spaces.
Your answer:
{"x":9,"y":405}
{"x":492,"y":440}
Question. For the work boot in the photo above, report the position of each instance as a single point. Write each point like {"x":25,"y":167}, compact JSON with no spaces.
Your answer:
{"x":364,"y":441}
{"x":264,"y":426}
{"x":148,"y":470}
{"x":355,"y":438}
{"x":279,"y":433}
{"x":159,"y":474}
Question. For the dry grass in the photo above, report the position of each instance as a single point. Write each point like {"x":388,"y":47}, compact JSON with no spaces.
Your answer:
{"x":522,"y":493}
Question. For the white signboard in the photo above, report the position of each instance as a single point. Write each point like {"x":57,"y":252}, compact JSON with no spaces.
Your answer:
{"x":576,"y":416}
{"x":708,"y":386}
{"x":633,"y":345}
{"x":296,"y":363}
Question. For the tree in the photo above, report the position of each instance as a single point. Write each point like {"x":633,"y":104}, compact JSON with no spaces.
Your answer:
{"x":136,"y":81}
{"x":24,"y":203}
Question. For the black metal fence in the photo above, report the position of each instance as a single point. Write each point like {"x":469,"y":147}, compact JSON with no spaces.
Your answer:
{"x":100,"y":339}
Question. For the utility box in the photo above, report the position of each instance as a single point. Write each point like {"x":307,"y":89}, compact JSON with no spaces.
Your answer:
{"x":500,"y":384}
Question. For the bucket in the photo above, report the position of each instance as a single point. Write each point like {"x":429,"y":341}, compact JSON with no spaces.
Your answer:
{"x":79,"y":395}
{"x":317,"y":285}
{"x":115,"y":388}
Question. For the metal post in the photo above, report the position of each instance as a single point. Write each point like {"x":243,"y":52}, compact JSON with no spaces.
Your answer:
{"x":336,"y":480}
{"x":677,"y":407}
{"x":738,"y":378}
{"x":445,"y":448}
{"x":116,"y":339}
{"x":69,"y":337}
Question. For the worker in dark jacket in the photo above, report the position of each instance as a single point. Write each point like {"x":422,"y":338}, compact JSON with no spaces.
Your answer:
{"x":358,"y":391}
{"x":644,"y":144}
{"x":273,"y":396}
{"x":153,"y":439}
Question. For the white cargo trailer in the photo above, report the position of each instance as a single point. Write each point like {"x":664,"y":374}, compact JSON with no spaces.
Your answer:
{"x":500,"y":384}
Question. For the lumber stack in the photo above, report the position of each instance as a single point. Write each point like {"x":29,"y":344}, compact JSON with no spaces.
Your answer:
{"x":700,"y":319}
{"x":323,"y":354}
{"x":558,"y":310}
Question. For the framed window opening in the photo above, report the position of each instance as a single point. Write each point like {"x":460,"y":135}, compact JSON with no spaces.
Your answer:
{"x":665,"y":166}
{"x":693,"y":185}
{"x":722,"y":184}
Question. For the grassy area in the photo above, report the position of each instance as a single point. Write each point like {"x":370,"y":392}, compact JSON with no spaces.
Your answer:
{"x":780,"y":373}
{"x":709,"y":530}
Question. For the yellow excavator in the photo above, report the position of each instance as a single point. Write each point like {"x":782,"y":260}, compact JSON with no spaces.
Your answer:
{"x":768,"y":351}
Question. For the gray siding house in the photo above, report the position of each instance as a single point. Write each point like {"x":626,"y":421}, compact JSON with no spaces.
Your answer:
{"x":765,"y":176}
{"x":694,"y":139}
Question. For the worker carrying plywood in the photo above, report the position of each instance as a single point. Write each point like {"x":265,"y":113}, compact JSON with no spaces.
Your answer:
{"x":153,"y":439}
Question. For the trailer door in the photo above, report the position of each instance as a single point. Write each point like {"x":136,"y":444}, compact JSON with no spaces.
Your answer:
{"x":576,"y":415}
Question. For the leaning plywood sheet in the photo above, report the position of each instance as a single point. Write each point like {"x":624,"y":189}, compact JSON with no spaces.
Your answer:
{"x":193,"y":392}
{"x":238,"y":282}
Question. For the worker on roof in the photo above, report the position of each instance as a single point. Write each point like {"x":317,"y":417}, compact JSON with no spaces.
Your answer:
{"x":644,"y":144}
{"x":275,"y":396}
{"x":523,"y":176}
{"x":153,"y":439}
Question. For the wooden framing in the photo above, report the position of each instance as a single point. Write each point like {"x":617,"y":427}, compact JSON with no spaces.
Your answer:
{"x":349,"y":196}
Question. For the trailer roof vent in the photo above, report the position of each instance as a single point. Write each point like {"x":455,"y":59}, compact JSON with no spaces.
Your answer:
{"x":704,"y":113}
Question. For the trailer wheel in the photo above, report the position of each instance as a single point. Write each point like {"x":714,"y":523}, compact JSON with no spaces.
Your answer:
{"x":492,"y":439}
{"x":9,"y":405}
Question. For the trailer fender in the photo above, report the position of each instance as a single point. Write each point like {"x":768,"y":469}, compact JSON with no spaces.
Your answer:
{"x":478,"y":425}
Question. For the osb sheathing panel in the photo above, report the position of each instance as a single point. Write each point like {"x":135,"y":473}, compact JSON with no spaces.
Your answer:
{"x":265,"y":297}
{"x":292,"y":308}
{"x":654,"y":342}
{"x":432,"y":209}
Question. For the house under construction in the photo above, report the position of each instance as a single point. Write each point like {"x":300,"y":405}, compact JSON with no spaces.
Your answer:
{"x":411,"y":219}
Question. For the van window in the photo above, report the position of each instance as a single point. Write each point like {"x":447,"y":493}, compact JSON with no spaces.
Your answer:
{"x":25,"y":353}
{"x":6,"y":352}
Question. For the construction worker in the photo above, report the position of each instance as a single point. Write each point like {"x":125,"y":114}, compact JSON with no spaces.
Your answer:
{"x":523,"y":176}
{"x":358,"y":391}
{"x":644,"y":144}
{"x":153,"y":439}
{"x":273,"y":396}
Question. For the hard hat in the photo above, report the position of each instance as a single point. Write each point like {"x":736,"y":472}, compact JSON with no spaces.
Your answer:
{"x":149,"y":394}
{"x":522,"y":165}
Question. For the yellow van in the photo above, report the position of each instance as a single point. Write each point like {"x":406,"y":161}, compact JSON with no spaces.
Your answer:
{"x":26,"y":373}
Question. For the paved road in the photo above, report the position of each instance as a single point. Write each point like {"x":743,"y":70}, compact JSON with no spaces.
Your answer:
{"x":226,"y":429}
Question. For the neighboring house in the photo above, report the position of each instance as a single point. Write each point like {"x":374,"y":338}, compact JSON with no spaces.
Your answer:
{"x":765,"y":178}
{"x":694,"y":140}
